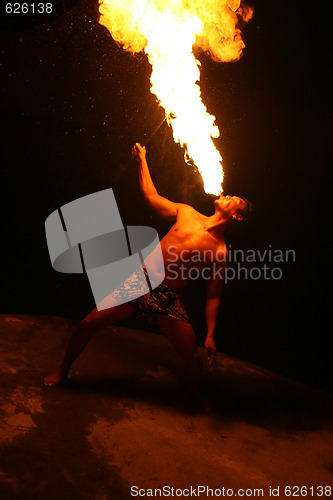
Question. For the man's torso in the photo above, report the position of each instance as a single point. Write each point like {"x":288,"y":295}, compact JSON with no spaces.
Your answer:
{"x":187,"y":246}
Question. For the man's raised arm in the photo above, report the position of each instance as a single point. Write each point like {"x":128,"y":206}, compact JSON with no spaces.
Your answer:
{"x":166,"y":208}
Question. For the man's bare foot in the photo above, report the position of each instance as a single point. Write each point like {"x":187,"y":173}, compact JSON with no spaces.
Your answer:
{"x":55,"y":377}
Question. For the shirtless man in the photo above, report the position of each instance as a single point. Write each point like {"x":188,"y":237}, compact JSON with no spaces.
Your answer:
{"x":192,"y":233}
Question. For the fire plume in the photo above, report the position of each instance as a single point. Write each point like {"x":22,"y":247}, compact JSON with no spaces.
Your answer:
{"x":168,"y":30}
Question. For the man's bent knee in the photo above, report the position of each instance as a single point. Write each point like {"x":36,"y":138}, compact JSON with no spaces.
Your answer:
{"x":86,"y":322}
{"x":105,"y":316}
{"x":92,"y":318}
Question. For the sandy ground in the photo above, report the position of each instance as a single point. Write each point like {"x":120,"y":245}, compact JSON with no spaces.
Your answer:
{"x":121,"y":422}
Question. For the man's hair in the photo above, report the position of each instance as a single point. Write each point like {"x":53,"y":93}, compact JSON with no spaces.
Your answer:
{"x":248,"y":210}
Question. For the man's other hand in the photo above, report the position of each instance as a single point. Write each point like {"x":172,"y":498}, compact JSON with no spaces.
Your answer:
{"x":211,"y":350}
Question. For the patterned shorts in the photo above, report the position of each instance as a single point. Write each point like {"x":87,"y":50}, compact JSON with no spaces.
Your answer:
{"x":162,"y":300}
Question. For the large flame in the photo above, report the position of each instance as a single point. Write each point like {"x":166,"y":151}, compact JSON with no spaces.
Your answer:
{"x":167,"y":30}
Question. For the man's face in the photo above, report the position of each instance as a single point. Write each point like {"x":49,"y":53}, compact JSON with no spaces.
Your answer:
{"x":230,"y":206}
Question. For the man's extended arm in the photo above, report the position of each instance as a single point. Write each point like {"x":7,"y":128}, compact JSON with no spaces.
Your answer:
{"x":212,"y":310}
{"x":163,"y":206}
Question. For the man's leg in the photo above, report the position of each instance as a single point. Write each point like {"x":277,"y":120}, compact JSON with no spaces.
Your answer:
{"x":95,"y":321}
{"x":182,"y":337}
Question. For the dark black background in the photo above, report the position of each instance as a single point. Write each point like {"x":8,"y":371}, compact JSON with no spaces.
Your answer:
{"x":72,"y":105}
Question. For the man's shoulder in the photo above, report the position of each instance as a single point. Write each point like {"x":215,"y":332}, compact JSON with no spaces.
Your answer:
{"x":185,"y":210}
{"x":184,"y":206}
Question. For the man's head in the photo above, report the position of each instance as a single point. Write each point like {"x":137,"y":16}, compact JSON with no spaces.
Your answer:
{"x":233,"y":208}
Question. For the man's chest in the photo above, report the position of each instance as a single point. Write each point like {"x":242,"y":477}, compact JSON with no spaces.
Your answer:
{"x":189,"y":235}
